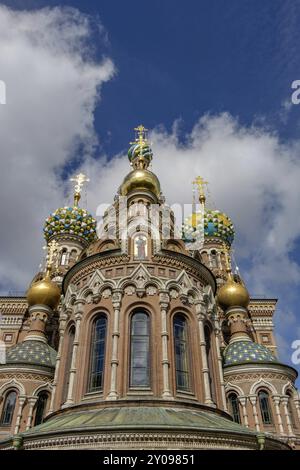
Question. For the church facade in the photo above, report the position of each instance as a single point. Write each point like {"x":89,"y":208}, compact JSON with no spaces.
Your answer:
{"x":137,"y":337}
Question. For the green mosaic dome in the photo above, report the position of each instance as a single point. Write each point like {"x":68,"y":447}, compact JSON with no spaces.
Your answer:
{"x":70,"y":220}
{"x":216,"y":224}
{"x":32,"y":352}
{"x":138,"y":149}
{"x":244,"y":352}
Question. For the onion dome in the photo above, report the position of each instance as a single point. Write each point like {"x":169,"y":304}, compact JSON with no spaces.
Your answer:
{"x":245,"y":352}
{"x":43,"y":292}
{"x":216,"y":224}
{"x":233,"y":294}
{"x":140,"y":180}
{"x":33,"y":353}
{"x":70,"y":220}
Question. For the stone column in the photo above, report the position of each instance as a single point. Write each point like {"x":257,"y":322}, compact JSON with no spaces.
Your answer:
{"x":220,"y":365}
{"x":253,"y":399}
{"x":62,"y":324}
{"x":116,"y":301}
{"x":32,"y":401}
{"x":243,"y":401}
{"x":276,"y":400}
{"x":78,"y":316}
{"x":164,"y":302}
{"x":297,"y":405}
{"x":200,"y":310}
{"x":284,"y":401}
{"x":22,"y":400}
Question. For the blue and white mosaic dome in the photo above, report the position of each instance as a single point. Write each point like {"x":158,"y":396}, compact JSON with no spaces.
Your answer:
{"x":71,"y":220}
{"x":244,"y":352}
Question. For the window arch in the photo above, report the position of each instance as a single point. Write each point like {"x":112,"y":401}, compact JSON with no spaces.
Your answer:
{"x":139,"y":350}
{"x":70,"y":342}
{"x":8,"y":408}
{"x":210,"y":362}
{"x":182,"y":355}
{"x":40,"y":408}
{"x":264,"y":405}
{"x":97,"y":354}
{"x":234,"y":407}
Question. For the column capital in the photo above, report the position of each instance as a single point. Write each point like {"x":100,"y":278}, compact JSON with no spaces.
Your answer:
{"x":253,"y":399}
{"x":242,"y":400}
{"x":164,"y":298}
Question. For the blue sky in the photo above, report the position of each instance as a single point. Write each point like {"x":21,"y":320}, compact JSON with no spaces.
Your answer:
{"x":175,"y":62}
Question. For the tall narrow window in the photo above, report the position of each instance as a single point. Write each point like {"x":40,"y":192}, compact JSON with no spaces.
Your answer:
{"x":8,"y":408}
{"x":265,"y":410}
{"x":234,"y":407}
{"x":140,"y":350}
{"x":64,"y":257}
{"x":98,"y":340}
{"x":182,"y":366}
{"x":40,"y":408}
{"x":70,"y":340}
{"x":210,"y":362}
{"x":214,"y":259}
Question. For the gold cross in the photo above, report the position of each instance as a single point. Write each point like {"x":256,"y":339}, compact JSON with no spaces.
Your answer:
{"x":199,"y":182}
{"x":79,"y":181}
{"x":51,"y":255}
{"x":141,"y":133}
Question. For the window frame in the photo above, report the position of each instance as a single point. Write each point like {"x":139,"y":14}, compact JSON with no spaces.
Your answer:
{"x":89,"y":389}
{"x":189,"y":373}
{"x":4,"y":411}
{"x":131,"y":386}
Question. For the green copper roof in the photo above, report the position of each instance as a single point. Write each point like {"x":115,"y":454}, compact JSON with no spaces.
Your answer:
{"x":139,"y":417}
{"x":32,"y":352}
{"x":243,"y":352}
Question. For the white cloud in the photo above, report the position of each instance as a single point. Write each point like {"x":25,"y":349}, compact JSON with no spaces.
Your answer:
{"x":53,"y":84}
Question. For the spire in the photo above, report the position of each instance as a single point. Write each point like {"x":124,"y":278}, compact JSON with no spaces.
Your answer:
{"x":79,"y":181}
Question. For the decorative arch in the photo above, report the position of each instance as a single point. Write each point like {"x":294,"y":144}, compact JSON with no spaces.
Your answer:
{"x":262,"y":384}
{"x":42,"y":388}
{"x":229,"y":387}
{"x":12,"y":384}
{"x":289,"y":387}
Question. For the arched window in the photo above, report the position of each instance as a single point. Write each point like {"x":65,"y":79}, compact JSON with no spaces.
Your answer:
{"x":140,"y":247}
{"x":139,"y":350}
{"x":265,"y":409}
{"x":214,"y":259}
{"x":210,"y":362}
{"x":234,"y":407}
{"x":40,"y":408}
{"x":8,"y":408}
{"x":97,"y":356}
{"x":70,"y":341}
{"x":182,"y":357}
{"x":64,"y":257}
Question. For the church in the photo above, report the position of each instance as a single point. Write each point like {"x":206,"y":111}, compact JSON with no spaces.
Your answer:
{"x":138,"y":334}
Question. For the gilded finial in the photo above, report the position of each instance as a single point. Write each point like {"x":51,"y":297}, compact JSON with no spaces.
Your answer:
{"x":79,"y":181}
{"x":227,"y":260}
{"x":140,"y":135}
{"x":199,"y":182}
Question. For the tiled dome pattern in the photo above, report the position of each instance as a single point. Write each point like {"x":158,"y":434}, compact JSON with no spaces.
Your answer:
{"x":32,"y":352}
{"x":70,"y":220}
{"x":242,"y":352}
{"x":215,"y":224}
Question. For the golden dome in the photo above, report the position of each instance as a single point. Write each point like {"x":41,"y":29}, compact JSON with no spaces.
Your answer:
{"x":140,"y":179}
{"x":43,"y":292}
{"x":233,"y":294}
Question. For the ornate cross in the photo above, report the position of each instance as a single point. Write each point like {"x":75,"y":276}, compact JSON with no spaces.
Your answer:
{"x":79,"y":181}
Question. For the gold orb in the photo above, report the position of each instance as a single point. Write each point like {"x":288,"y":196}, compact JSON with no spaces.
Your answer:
{"x":140,"y":179}
{"x":44,"y":292}
{"x":233,"y":294}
